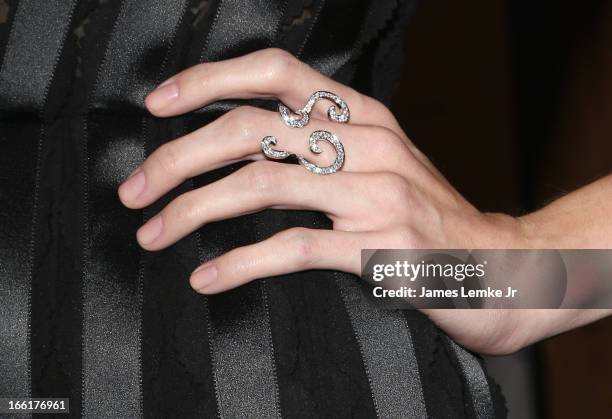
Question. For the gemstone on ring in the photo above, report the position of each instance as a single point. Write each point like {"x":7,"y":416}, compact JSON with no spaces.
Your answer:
{"x":339,"y":112}
{"x":313,"y":142}
{"x":299,"y":119}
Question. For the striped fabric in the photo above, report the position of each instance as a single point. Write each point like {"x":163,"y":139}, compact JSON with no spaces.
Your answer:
{"x":86,"y":314}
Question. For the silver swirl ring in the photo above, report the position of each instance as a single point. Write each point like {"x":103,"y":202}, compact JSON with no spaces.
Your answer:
{"x":313,"y":142}
{"x":299,"y":119}
{"x":339,"y":112}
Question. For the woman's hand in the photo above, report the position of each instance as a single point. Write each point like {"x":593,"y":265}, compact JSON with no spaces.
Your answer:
{"x":387,"y":195}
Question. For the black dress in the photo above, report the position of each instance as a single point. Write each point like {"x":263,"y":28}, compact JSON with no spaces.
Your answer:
{"x":86,"y":314}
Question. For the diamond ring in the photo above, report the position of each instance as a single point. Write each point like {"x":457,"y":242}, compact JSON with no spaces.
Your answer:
{"x":339,"y":113}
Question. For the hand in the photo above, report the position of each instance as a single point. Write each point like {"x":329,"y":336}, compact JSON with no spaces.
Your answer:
{"x":387,"y":195}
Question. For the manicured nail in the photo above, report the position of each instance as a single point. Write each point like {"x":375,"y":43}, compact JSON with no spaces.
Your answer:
{"x":165,"y":94}
{"x":203,"y":277}
{"x":150,"y":231}
{"x":133,"y":186}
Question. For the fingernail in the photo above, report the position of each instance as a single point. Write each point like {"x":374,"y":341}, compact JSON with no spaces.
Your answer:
{"x":150,"y":231}
{"x":203,"y":277}
{"x":165,"y":94}
{"x":133,"y":186}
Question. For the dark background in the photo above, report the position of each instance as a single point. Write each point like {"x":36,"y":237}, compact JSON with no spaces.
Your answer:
{"x":512,"y":100}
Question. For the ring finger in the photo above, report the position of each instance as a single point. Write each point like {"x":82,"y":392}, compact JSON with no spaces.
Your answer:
{"x":260,"y":185}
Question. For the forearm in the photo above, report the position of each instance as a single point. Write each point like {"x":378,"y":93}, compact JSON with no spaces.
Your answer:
{"x":579,"y":220}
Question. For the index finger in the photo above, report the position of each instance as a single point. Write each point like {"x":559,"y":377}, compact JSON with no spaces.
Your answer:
{"x":269,"y":73}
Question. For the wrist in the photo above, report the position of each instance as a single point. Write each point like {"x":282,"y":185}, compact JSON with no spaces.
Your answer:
{"x":534,"y":233}
{"x":505,"y":232}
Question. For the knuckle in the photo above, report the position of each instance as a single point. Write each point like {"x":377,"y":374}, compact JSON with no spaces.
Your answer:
{"x":379,"y":111}
{"x":262,"y":177}
{"x":183,"y":209}
{"x":389,"y":136}
{"x":167,"y":159}
{"x":404,"y":237}
{"x":242,"y":120}
{"x":391,"y":147}
{"x":301,"y":240}
{"x":279,"y":63}
{"x":396,"y":191}
{"x":200,"y":75}
{"x":375,"y":106}
{"x":388,"y":141}
{"x":394,"y":184}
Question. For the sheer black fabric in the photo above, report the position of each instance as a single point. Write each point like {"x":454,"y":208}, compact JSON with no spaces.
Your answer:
{"x":86,"y":314}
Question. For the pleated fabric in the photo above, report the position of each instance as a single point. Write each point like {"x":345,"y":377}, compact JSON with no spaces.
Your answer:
{"x":86,"y":314}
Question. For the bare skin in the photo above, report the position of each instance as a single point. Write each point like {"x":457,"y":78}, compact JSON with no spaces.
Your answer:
{"x":388,"y":195}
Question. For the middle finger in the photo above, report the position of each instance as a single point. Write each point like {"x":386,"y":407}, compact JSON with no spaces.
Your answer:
{"x":237,"y":136}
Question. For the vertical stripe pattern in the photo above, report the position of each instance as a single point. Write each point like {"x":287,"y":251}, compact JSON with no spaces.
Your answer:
{"x":36,"y":25}
{"x":112,"y":295}
{"x":383,"y":336}
{"x":386,"y":347}
{"x":476,"y":381}
{"x":243,"y":360}
{"x":34,"y":43}
{"x":242,"y":354}
{"x":215,"y":355}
